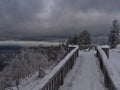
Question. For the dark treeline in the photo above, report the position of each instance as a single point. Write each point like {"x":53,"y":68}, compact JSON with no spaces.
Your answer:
{"x":84,"y":38}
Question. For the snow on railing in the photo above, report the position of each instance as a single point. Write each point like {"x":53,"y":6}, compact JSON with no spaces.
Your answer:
{"x":83,"y":47}
{"x":57,"y":75}
{"x":112,"y":78}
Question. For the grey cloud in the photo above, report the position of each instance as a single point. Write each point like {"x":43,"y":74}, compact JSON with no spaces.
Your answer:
{"x":17,"y":10}
{"x":40,"y":18}
{"x":85,"y":5}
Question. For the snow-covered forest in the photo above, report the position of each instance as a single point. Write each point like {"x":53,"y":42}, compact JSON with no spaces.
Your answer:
{"x":28,"y":61}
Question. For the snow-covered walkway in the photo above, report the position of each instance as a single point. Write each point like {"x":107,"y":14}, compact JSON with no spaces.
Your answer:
{"x":85,"y":74}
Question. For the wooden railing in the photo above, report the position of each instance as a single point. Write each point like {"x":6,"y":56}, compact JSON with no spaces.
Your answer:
{"x":57,"y":75}
{"x":111,"y":78}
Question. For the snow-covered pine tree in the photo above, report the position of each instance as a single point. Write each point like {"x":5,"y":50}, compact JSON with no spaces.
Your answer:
{"x":62,"y":52}
{"x":84,"y":38}
{"x":73,"y":40}
{"x":114,"y":34}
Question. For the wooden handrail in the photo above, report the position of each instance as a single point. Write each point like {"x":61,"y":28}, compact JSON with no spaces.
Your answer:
{"x":111,"y":77}
{"x":57,"y":75}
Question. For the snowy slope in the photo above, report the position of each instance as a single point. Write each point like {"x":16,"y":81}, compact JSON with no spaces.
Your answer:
{"x":85,"y":75}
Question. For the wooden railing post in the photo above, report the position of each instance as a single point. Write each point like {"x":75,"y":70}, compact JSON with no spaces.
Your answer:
{"x":106,"y":50}
{"x":57,"y":78}
{"x":110,"y":83}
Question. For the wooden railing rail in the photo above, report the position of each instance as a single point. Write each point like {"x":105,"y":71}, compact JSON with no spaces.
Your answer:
{"x":111,"y":77}
{"x":57,"y":75}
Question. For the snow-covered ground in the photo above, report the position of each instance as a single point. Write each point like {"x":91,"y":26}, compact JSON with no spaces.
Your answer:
{"x":85,"y":75}
{"x":115,"y":58}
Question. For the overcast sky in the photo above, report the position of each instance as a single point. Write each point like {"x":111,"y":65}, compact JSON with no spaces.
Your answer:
{"x":56,"y":18}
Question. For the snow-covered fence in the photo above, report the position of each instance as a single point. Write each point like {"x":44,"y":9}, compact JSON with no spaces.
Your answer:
{"x":57,"y":75}
{"x":111,"y":77}
{"x":105,"y":48}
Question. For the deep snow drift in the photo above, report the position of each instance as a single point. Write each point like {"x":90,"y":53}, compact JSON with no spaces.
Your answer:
{"x":85,"y":74}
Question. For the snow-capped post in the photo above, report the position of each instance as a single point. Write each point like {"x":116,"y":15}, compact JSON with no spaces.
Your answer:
{"x":97,"y":53}
{"x":106,"y":50}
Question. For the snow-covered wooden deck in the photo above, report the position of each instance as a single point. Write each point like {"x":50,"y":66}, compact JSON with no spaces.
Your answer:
{"x":85,"y":75}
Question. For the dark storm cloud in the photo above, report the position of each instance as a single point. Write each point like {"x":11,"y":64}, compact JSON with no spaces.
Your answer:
{"x":85,"y":5}
{"x":40,"y":18}
{"x":17,"y":10}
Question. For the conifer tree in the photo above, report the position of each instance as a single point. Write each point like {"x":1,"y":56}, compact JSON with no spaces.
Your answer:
{"x":84,"y":38}
{"x":114,"y":35}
